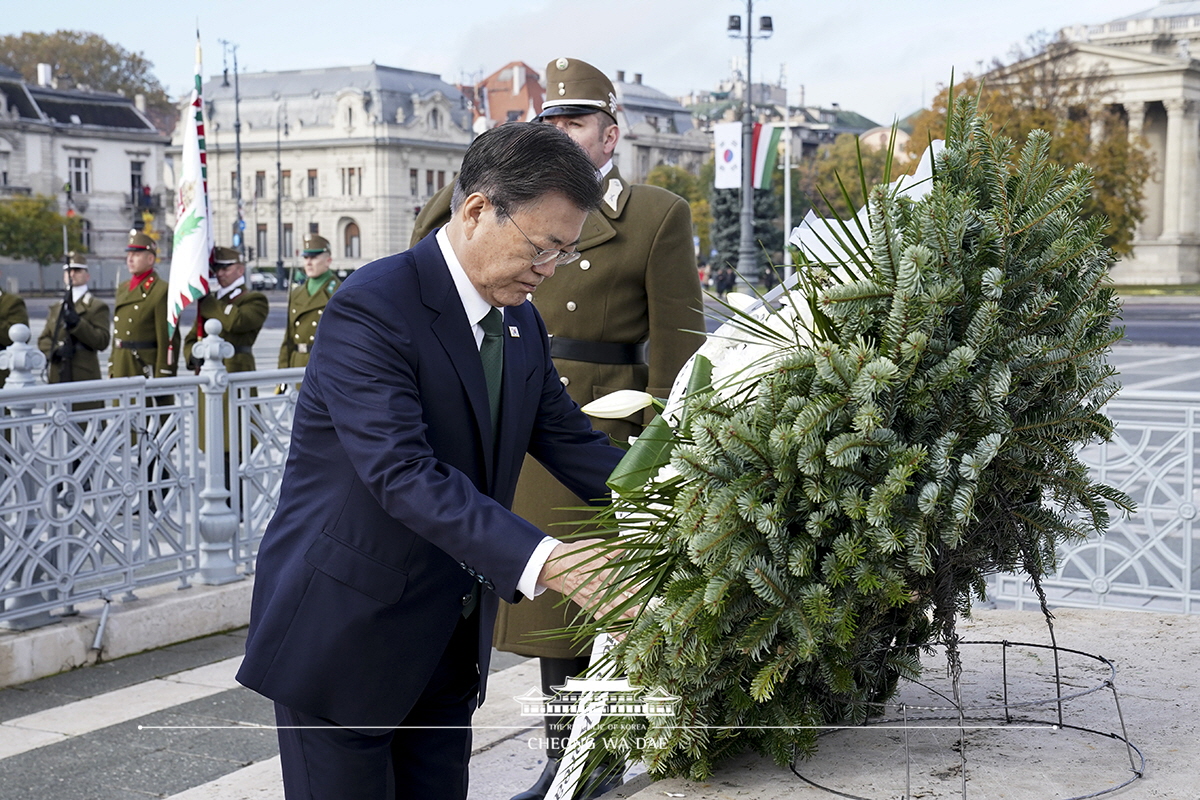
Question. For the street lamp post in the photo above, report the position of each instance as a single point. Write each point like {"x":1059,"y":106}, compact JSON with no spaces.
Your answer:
{"x":280,"y":124}
{"x":237,"y":148}
{"x":747,"y":252}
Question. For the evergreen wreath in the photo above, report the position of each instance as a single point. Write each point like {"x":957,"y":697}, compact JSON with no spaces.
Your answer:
{"x":908,"y":426}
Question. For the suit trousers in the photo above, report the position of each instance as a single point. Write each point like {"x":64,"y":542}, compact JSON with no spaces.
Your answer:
{"x":424,"y":758}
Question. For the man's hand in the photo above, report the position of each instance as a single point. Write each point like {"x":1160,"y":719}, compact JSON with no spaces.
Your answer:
{"x":70,"y":316}
{"x":576,"y":570}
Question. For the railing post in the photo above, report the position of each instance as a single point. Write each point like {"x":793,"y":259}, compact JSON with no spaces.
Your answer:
{"x":218,"y":523}
{"x":24,"y":362}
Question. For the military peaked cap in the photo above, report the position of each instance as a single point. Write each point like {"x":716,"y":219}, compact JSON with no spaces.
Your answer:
{"x":140,"y":241}
{"x":575,"y":87}
{"x":314,"y":245}
{"x":226,"y":255}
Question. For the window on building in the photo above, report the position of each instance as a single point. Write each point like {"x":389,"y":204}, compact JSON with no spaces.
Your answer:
{"x":3,"y":168}
{"x":260,"y":184}
{"x":260,"y":240}
{"x":285,"y":183}
{"x":351,"y":180}
{"x":312,"y":183}
{"x":135,"y":180}
{"x":314,"y":227}
{"x":441,"y":178}
{"x":233,"y":187}
{"x":514,"y":116}
{"x":352,"y":241}
{"x":428,"y":182}
{"x":85,"y":233}
{"x":413,"y":178}
{"x":79,"y":174}
{"x":435,"y":120}
{"x":289,"y":241}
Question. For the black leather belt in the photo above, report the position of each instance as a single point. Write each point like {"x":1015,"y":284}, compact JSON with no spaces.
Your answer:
{"x":597,"y":352}
{"x":242,"y":349}
{"x":125,"y":344}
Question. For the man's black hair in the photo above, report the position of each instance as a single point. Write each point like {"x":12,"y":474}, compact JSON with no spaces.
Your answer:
{"x":518,"y":163}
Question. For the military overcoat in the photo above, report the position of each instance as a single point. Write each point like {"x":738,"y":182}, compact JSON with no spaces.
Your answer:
{"x":12,"y":311}
{"x":636,"y":282}
{"x":90,"y":336}
{"x":241,"y":314}
{"x":304,"y":312}
{"x":141,"y":345}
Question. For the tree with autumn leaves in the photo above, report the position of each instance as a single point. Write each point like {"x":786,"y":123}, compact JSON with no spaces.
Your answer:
{"x":1046,"y":88}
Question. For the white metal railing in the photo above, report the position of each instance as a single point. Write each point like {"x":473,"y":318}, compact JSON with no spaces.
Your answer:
{"x":106,"y":486}
{"x":1150,"y":561}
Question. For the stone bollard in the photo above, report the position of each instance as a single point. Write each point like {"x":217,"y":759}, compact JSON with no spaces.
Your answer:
{"x":25,"y":363}
{"x":218,"y":523}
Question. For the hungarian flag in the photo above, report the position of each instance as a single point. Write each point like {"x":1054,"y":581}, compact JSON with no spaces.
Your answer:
{"x":766,"y":151}
{"x":193,"y":221}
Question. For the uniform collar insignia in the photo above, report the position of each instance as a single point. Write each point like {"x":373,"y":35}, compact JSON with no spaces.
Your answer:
{"x":613,"y":193}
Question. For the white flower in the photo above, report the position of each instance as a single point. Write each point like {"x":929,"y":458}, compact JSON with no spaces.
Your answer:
{"x":619,"y":404}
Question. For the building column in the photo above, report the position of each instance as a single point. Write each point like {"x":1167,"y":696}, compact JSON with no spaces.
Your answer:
{"x":1189,"y":166}
{"x":1172,"y":166}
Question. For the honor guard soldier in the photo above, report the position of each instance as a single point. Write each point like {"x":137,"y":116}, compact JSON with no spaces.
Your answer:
{"x":141,"y":345}
{"x":76,"y":330}
{"x":12,"y":312}
{"x":306,"y":303}
{"x":242,"y":312}
{"x":621,"y":317}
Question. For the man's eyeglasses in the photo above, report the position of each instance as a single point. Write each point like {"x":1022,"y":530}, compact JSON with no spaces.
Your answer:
{"x":543,"y":257}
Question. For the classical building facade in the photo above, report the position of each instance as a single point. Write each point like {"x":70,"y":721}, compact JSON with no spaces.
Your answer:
{"x":350,"y":153}
{"x":1154,"y":77}
{"x":655,"y":129}
{"x":100,"y":145}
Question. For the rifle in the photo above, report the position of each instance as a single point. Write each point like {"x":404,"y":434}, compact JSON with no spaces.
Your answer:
{"x":64,"y":354}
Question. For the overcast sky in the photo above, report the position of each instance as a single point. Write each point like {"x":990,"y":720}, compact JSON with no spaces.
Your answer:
{"x":881,"y":58}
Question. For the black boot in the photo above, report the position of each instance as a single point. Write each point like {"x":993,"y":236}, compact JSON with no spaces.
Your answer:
{"x":541,"y":787}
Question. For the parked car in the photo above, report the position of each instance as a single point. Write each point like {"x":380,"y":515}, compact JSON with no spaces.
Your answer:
{"x":261,"y":280}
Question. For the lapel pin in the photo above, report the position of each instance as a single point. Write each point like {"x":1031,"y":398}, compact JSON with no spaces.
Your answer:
{"x":514,"y":332}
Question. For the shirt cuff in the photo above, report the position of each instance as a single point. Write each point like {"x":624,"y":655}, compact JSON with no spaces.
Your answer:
{"x":528,"y":584}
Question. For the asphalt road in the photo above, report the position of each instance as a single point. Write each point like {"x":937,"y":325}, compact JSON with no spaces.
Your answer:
{"x":1172,"y":321}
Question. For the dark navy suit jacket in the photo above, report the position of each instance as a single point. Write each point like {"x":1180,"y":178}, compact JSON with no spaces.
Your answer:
{"x":391,"y":507}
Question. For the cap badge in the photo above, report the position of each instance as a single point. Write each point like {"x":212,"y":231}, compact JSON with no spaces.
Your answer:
{"x":561,"y":63}
{"x":612,"y":105}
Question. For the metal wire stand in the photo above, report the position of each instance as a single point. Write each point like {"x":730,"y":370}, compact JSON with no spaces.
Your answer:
{"x":969,"y":718}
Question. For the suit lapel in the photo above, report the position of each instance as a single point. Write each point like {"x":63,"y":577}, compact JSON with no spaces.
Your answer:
{"x":453,"y":331}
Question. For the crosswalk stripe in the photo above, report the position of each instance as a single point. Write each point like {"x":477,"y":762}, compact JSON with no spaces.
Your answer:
{"x":259,"y":781}
{"x":498,"y":720}
{"x":42,"y":728}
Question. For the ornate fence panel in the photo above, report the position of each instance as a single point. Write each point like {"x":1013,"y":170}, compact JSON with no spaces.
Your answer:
{"x":97,"y":491}
{"x":106,"y":486}
{"x":261,"y":409}
{"x":1151,"y":560}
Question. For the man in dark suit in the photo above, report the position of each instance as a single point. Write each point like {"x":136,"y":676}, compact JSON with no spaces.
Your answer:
{"x":379,"y":577}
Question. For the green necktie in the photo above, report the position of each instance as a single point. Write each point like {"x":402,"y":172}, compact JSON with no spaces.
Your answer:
{"x":491,"y":353}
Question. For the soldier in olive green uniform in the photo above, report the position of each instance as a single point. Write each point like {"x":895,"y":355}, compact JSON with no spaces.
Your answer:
{"x":12,"y":312}
{"x":306,"y":303}
{"x":619,"y":318}
{"x":141,"y":345}
{"x":241,"y":312}
{"x":76,"y":330}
